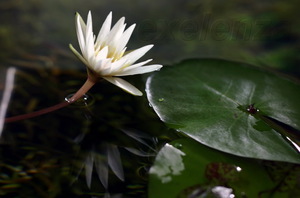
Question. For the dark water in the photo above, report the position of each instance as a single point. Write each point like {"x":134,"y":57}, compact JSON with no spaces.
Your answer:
{"x":104,"y":143}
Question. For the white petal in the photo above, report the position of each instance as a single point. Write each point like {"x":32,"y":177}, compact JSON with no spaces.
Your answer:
{"x":102,"y":54}
{"x":80,"y":30}
{"x":89,"y":23}
{"x":116,"y":32}
{"x":78,"y":54}
{"x":123,"y":40}
{"x":140,"y":70}
{"x":105,"y":28}
{"x":103,"y":66}
{"x":126,"y":86}
{"x":137,"y":65}
{"x":136,"y":54}
{"x":82,"y":24}
{"x":89,"y":50}
{"x":117,"y":65}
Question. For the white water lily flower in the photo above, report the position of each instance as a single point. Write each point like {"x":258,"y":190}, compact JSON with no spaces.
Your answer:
{"x":105,"y":54}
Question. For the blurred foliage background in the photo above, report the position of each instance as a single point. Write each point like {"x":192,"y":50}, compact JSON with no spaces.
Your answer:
{"x":260,"y":32}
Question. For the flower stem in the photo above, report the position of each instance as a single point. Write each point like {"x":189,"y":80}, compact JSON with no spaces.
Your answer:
{"x":85,"y":87}
{"x":89,"y":83}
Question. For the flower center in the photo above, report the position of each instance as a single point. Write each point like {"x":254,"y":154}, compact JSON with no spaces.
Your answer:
{"x":112,"y":52}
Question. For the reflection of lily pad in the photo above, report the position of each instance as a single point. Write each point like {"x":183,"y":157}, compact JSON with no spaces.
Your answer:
{"x":205,"y":97}
{"x":169,"y":163}
{"x":184,"y":167}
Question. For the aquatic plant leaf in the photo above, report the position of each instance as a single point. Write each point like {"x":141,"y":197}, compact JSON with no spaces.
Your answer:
{"x":186,"y":168}
{"x":207,"y":99}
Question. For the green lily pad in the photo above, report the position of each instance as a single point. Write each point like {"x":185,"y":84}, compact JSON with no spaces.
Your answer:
{"x":207,"y":99}
{"x":185,"y":168}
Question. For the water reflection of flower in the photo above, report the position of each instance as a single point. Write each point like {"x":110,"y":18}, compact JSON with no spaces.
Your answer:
{"x":111,"y":158}
{"x":105,"y":55}
{"x":108,"y":157}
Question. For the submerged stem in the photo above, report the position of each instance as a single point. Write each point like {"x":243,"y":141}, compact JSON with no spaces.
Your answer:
{"x":85,"y":87}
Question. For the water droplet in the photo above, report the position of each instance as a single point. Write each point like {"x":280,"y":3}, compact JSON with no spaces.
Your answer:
{"x":68,"y":97}
{"x":161,"y":99}
{"x":238,"y":169}
{"x":85,"y":100}
{"x":150,"y":104}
